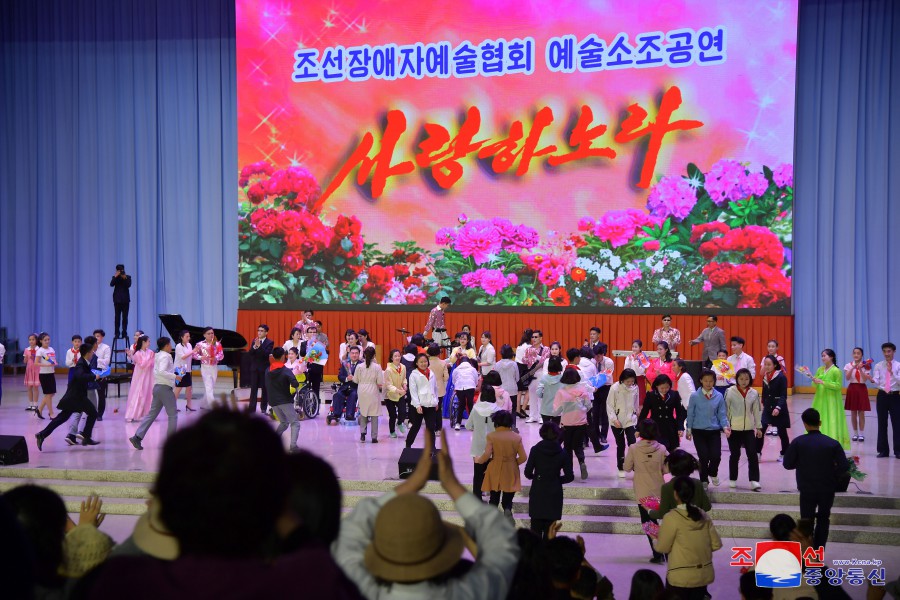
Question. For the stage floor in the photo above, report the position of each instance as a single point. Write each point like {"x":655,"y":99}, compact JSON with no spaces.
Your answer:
{"x":378,"y":462}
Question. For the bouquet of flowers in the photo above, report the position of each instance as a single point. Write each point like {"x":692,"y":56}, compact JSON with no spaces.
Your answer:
{"x":867,"y":364}
{"x":598,"y":380}
{"x":649,"y":502}
{"x":317,"y":353}
{"x":805,"y":371}
{"x":643,"y":359}
{"x":724,"y":368}
{"x":651,"y":529}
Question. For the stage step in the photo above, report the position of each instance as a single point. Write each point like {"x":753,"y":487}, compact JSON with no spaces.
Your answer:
{"x":856,"y":518}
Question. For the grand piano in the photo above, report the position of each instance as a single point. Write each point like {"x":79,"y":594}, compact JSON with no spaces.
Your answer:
{"x":233,"y":343}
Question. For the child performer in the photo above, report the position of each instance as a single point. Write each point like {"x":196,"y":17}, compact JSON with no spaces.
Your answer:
{"x":164,"y":381}
{"x":706,"y":419}
{"x":210,"y":353}
{"x":742,"y":406}
{"x":574,"y":401}
{"x":647,"y":459}
{"x":140,"y":392}
{"x":184,"y":354}
{"x":45,"y":357}
{"x":621,"y":409}
{"x":32,"y":372}
{"x":73,"y":355}
{"x":858,"y":372}
{"x":638,"y":362}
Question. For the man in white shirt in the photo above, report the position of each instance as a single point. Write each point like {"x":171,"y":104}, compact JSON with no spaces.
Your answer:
{"x":164,"y":380}
{"x":740,"y":359}
{"x":104,"y":356}
{"x":886,"y":376}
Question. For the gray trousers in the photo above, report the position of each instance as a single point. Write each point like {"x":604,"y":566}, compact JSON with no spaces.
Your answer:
{"x":287,"y":415}
{"x":363,"y":425}
{"x":75,"y":421}
{"x":163,"y":397}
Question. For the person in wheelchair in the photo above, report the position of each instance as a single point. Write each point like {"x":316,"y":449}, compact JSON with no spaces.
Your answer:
{"x":343,"y":403}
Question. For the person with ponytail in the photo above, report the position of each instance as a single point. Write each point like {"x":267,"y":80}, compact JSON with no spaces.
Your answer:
{"x":480,"y":423}
{"x":370,"y":391}
{"x":689,"y":537}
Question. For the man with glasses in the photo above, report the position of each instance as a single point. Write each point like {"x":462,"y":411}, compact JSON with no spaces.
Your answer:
{"x":713,"y":339}
{"x":260,"y":351}
{"x":667,"y":334}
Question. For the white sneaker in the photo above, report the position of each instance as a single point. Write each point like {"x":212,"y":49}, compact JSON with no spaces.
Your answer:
{"x":754,"y":485}
{"x":456,"y":427}
{"x":715,"y":481}
{"x":622,"y":474}
{"x":731,"y":484}
{"x":530,"y":420}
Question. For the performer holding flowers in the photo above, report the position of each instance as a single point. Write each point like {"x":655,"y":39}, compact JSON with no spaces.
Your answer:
{"x":828,"y":400}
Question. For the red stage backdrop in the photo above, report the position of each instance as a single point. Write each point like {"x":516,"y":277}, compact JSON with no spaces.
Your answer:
{"x":581,"y":155}
{"x":569,"y":329}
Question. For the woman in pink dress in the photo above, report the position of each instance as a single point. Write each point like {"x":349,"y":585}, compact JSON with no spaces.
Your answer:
{"x":32,"y":370}
{"x":140,"y":394}
{"x":662,"y":365}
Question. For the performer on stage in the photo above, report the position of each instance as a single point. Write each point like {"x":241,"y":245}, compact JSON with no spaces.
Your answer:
{"x":209,"y":352}
{"x":621,"y":409}
{"x":140,"y":392}
{"x":593,"y":342}
{"x":395,"y":383}
{"x":683,"y":382}
{"x":857,"y":400}
{"x":774,"y":399}
{"x":369,"y":377}
{"x":487,"y":355}
{"x":667,"y":333}
{"x":522,"y":382}
{"x":73,"y":355}
{"x":664,"y":407}
{"x":164,"y":381}
{"x":279,"y":380}
{"x":886,"y":376}
{"x":260,"y":351}
{"x":75,"y":436}
{"x":343,"y":403}
{"x":46,"y":360}
{"x":351,"y":339}
{"x":638,"y":362}
{"x":295,"y":339}
{"x":315,"y":370}
{"x":120,"y":283}
{"x":706,"y":419}
{"x":712,"y":338}
{"x":742,"y":407}
{"x":662,"y":364}
{"x":75,"y":400}
{"x":423,"y":399}
{"x":598,"y":426}
{"x":32,"y":372}
{"x":184,"y":354}
{"x":535,"y":357}
{"x":436,"y":324}
{"x":103,"y":354}
{"x":828,"y":400}
{"x":740,"y":359}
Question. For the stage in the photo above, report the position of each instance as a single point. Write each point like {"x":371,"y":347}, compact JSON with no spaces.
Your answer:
{"x":863,"y":526}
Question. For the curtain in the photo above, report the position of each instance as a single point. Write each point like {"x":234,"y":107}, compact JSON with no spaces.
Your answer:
{"x":847,"y":174}
{"x":118,"y":144}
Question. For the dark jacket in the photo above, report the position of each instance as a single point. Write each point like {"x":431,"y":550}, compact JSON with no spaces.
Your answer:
{"x":818,"y":459}
{"x":347,"y":368}
{"x":278,"y":386}
{"x":76,"y":396}
{"x":669,"y":415}
{"x":259,"y":357}
{"x":667,"y":499}
{"x":774,"y":395}
{"x":549,"y":467}
{"x":120,"y":291}
{"x":598,"y":348}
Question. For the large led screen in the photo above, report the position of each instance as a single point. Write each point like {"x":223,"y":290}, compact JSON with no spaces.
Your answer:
{"x":603,"y":155}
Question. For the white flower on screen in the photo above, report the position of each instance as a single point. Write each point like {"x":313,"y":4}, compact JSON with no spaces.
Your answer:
{"x":615,"y":262}
{"x":623,"y":272}
{"x":665,"y":283}
{"x":588,"y":265}
{"x":605,"y":274}
{"x":675,"y":254}
{"x":577,"y":293}
{"x":605,"y":253}
{"x":649,"y":263}
{"x":682,"y":299}
{"x":618,"y":302}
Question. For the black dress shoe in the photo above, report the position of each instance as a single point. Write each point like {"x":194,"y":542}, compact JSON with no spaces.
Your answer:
{"x":89,"y":442}
{"x":882,"y":455}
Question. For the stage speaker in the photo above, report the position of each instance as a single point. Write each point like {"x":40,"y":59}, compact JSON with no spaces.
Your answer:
{"x":693,"y":368}
{"x":13,"y":450}
{"x":409,"y":458}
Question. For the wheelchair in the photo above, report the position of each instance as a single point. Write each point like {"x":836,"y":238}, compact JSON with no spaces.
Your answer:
{"x":306,"y":401}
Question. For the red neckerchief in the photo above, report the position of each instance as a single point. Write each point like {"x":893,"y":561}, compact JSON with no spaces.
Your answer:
{"x":426,"y":372}
{"x":710,"y":395}
{"x":769,"y":376}
{"x":742,"y":392}
{"x":276,"y":365}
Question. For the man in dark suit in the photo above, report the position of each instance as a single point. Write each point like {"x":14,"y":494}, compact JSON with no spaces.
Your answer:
{"x":120,"y":283}
{"x":260,"y":351}
{"x":713,"y":340}
{"x":819,"y":460}
{"x":593,"y":342}
{"x":75,"y":400}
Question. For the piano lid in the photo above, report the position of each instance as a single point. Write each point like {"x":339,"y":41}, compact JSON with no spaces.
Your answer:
{"x":174,"y":324}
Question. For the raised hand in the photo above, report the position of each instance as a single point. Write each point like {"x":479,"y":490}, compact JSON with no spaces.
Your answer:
{"x":90,"y":511}
{"x":415,"y":482}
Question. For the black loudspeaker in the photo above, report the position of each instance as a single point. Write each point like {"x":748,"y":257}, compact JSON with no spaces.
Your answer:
{"x":409,"y":458}
{"x":13,"y":450}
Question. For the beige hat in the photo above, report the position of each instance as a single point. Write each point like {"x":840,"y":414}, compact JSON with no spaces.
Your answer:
{"x":151,"y":536}
{"x":411,"y":542}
